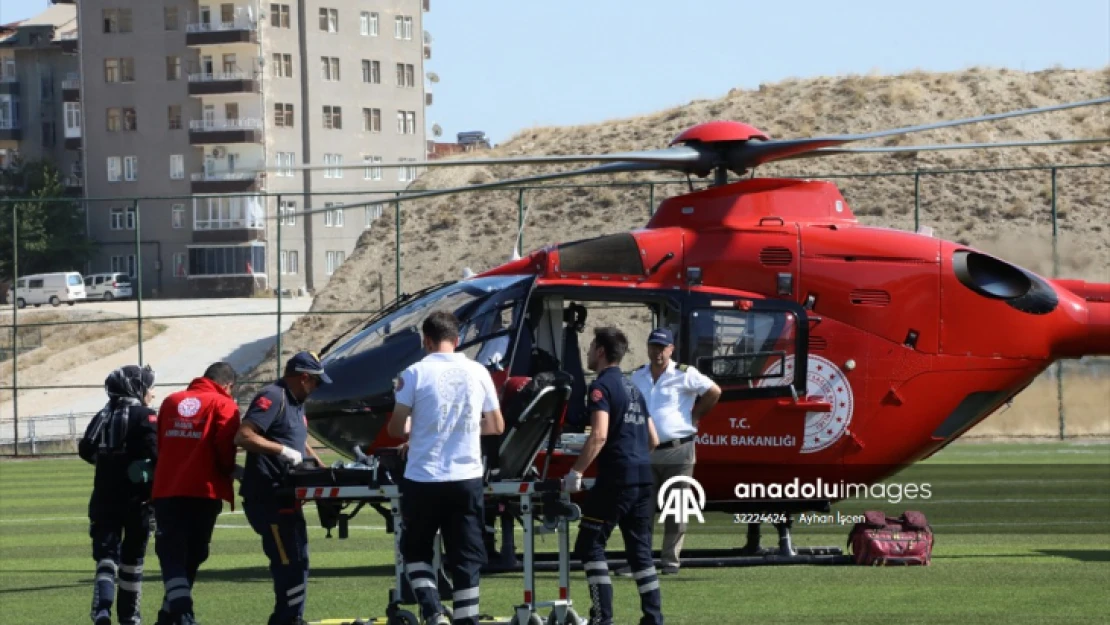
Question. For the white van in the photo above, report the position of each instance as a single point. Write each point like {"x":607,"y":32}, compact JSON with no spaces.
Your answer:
{"x":48,"y":288}
{"x":107,"y":286}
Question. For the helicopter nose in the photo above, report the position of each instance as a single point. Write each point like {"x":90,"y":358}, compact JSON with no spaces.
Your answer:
{"x":1093,"y":337}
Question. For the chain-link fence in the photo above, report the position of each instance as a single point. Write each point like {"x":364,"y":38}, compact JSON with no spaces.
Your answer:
{"x":234,"y":269}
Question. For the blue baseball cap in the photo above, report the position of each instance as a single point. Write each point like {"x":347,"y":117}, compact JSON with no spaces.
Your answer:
{"x":307,"y":362}
{"x":661,"y":336}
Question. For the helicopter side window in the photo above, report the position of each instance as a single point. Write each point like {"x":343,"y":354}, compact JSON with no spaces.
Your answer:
{"x":745,"y":349}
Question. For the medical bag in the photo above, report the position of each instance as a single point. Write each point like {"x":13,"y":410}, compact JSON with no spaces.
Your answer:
{"x":883,"y":541}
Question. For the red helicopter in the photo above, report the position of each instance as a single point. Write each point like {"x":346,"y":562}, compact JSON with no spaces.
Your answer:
{"x":844,"y":351}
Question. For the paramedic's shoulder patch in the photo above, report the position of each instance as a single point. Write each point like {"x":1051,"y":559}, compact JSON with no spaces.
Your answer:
{"x":263,"y":403}
{"x":596,"y":395}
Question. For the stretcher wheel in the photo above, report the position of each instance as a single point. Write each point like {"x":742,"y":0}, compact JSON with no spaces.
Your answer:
{"x":532,"y":620}
{"x":571,"y":618}
{"x":403,"y":617}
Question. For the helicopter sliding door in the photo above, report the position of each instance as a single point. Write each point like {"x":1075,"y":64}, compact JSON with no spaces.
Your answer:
{"x":755,"y":350}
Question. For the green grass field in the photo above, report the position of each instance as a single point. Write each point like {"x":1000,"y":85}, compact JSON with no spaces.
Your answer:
{"x":1010,"y":549}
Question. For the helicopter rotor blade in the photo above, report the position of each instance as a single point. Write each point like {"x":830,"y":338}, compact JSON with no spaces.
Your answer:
{"x":949,"y":146}
{"x":675,"y":155}
{"x":756,"y":153}
{"x":608,"y":168}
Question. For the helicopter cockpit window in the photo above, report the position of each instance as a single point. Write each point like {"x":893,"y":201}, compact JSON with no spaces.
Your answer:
{"x":745,"y":349}
{"x":480,"y":304}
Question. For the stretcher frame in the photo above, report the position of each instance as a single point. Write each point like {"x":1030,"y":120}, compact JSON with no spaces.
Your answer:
{"x":524,"y":487}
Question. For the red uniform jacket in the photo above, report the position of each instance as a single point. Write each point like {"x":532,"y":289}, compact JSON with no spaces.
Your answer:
{"x":196,"y":443}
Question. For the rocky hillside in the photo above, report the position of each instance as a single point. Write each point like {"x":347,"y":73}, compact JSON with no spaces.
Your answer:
{"x":1004,"y":212}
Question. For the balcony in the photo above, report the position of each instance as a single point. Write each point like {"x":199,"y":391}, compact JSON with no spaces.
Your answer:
{"x":239,"y":181}
{"x":10,"y":130}
{"x":73,"y":143}
{"x":9,"y":84}
{"x":71,"y":88}
{"x":240,"y":30}
{"x":203,"y":132}
{"x":220,"y":83}
{"x":74,"y":184}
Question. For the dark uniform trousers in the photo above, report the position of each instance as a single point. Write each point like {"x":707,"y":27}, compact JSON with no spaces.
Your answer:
{"x":120,"y":532}
{"x":630,"y":508}
{"x":184,"y":532}
{"x":455,"y":510}
{"x":280,"y":522}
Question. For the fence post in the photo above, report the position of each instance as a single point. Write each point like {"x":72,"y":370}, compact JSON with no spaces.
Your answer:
{"x":139,"y":278}
{"x":281,"y":218}
{"x":30,"y":437}
{"x":397,"y":256}
{"x":916,"y":201}
{"x":520,"y":222}
{"x":1056,"y":274}
{"x":651,"y":199}
{"x":15,"y":325}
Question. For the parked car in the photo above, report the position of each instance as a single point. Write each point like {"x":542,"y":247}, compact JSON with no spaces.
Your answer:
{"x":48,"y":288}
{"x":107,"y":286}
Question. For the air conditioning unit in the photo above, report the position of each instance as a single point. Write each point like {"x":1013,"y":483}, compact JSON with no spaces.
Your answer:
{"x":219,"y":152}
{"x":428,"y":99}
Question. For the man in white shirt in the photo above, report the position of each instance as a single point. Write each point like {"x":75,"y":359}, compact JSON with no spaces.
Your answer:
{"x":672,"y":394}
{"x":444,"y":404}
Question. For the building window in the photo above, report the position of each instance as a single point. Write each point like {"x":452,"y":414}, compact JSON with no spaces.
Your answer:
{"x":180,"y":269}
{"x":173,"y":115}
{"x":372,"y":173}
{"x":336,"y":160}
{"x":287,"y":213}
{"x":334,"y":260}
{"x":279,"y":15}
{"x":374,"y":211}
{"x":406,"y":76}
{"x":402,"y":27}
{"x":170,"y":18}
{"x":117,"y":20}
{"x":111,"y":70}
{"x":329,"y":20}
{"x":127,"y":69}
{"x":285,"y":160}
{"x":130,"y":219}
{"x":130,"y":168}
{"x":177,"y":166}
{"x":329,"y":66}
{"x":368,"y":24}
{"x":114,"y":168}
{"x":283,"y":65}
{"x":114,"y":119}
{"x":283,"y":115}
{"x":177,"y":216}
{"x":73,"y":118}
{"x":243,"y":260}
{"x":130,"y":119}
{"x":406,"y":122}
{"x":334,"y":217}
{"x":372,"y":120}
{"x":173,"y":68}
{"x":406,"y":174}
{"x":371,"y":72}
{"x":333,"y":117}
{"x":115,"y":219}
{"x":289,"y":261}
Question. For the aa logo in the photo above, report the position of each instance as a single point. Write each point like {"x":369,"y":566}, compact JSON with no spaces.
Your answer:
{"x":680,"y":498}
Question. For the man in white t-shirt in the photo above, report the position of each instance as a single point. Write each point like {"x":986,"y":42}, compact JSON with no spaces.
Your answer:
{"x":444,"y":404}
{"x":677,"y":396}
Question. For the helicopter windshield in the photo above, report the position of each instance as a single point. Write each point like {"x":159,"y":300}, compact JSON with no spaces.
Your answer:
{"x":488,"y":309}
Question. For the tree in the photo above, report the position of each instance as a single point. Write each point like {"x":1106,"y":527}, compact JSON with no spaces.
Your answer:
{"x":51,"y":225}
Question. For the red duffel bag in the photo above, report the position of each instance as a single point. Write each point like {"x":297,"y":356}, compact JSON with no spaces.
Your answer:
{"x":883,"y":541}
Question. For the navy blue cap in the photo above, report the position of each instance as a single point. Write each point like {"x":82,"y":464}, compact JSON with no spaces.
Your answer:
{"x":661,"y":336}
{"x":307,"y":362}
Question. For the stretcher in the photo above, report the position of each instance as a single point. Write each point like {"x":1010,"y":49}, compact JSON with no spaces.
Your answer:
{"x":514,"y":484}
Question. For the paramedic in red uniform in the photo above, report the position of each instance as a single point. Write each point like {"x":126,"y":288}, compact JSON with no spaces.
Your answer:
{"x":444,"y":404}
{"x":275,"y":434}
{"x":196,"y":436}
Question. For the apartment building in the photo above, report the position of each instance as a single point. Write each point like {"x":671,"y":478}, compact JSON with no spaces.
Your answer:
{"x":211,"y":102}
{"x":40,"y":109}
